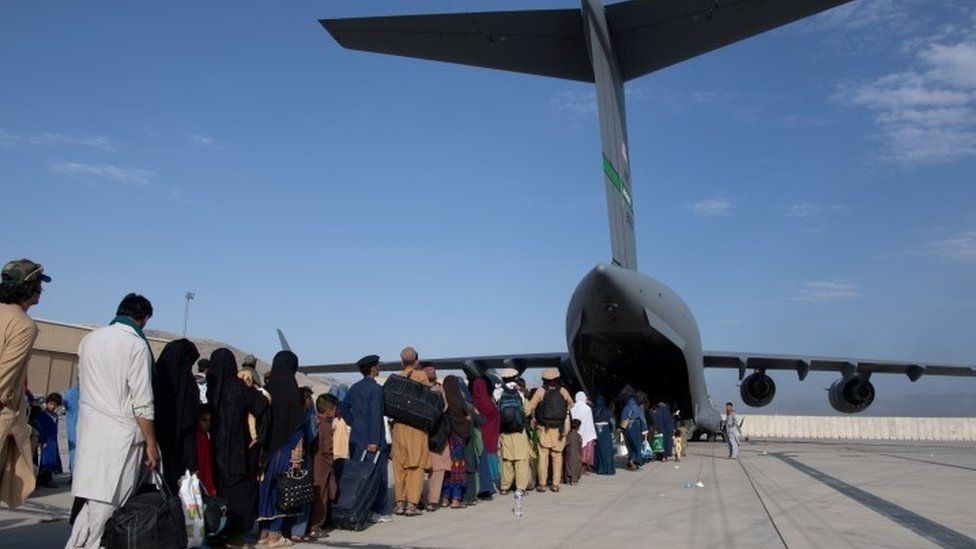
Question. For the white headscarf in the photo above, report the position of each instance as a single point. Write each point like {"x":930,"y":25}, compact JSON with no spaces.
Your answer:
{"x":582,"y":411}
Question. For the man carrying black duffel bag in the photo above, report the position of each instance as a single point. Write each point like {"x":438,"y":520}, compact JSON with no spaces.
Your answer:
{"x":411,"y":456}
{"x":116,"y":435}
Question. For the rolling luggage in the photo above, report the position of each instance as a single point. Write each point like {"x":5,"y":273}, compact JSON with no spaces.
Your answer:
{"x":150,"y":520}
{"x":357,"y":491}
{"x":412,"y":403}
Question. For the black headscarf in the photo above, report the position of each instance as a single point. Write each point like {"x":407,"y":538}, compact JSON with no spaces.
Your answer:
{"x":286,"y":400}
{"x":176,"y":399}
{"x":227,"y":395}
{"x":601,"y":413}
{"x":457,"y":408}
{"x":222,"y":363}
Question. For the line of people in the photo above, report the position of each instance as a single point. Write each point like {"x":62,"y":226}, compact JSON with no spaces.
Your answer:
{"x":496,"y":439}
{"x":137,"y":412}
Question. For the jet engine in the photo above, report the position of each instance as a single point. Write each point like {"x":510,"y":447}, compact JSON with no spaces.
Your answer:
{"x":851,"y":395}
{"x":757,"y":390}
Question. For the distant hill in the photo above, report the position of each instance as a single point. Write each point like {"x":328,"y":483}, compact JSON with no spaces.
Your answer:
{"x":207,"y":346}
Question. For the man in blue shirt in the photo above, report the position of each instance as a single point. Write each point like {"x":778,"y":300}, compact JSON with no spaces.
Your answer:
{"x":363,"y":411}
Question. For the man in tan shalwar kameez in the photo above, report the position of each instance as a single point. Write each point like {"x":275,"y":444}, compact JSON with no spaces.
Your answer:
{"x":411,"y":458}
{"x":552,"y":440}
{"x":514,"y":448}
{"x":20,"y":289}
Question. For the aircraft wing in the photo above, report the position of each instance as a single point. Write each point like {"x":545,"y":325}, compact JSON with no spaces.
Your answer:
{"x":479,"y":364}
{"x":542,"y":42}
{"x":646,"y":35}
{"x":803,"y":365}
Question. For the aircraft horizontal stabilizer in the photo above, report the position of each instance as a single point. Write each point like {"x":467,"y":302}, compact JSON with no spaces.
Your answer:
{"x":652,"y":35}
{"x":646,"y":35}
{"x":541,"y":42}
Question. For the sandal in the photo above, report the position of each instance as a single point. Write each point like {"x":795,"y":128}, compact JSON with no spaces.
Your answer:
{"x":281,"y":542}
{"x":445,"y":503}
{"x":503,"y":492}
{"x":554,"y":489}
{"x":540,"y":488}
{"x":458,"y":504}
{"x":432,"y":507}
{"x":412,"y":511}
{"x":399,"y":509}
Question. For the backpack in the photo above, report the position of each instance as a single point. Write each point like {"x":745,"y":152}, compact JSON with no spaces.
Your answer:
{"x":511,"y":412}
{"x":553,"y":409}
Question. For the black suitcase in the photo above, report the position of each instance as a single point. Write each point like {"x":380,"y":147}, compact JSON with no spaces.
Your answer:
{"x":357,"y":491}
{"x":149,"y":520}
{"x":412,"y":403}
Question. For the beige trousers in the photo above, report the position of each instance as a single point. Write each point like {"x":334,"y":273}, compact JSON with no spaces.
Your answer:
{"x":408,"y":483}
{"x":435,"y":483}
{"x":517,"y":471}
{"x":557,"y":466}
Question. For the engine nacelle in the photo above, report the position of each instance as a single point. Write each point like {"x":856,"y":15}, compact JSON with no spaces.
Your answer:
{"x":757,"y":390}
{"x":851,"y":395}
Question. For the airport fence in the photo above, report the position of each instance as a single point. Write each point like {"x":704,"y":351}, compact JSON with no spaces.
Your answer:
{"x":943,"y":429}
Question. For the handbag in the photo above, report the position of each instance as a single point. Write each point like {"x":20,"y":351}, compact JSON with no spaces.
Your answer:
{"x":295,"y":490}
{"x":214,"y":515}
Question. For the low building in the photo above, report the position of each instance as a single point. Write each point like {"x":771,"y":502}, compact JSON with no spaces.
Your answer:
{"x":53,"y":364}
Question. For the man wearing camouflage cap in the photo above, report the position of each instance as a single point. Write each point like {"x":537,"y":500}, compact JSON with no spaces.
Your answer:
{"x":20,"y":289}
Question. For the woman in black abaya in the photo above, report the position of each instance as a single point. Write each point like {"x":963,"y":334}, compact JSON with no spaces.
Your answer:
{"x":176,"y":399}
{"x":236,"y":482}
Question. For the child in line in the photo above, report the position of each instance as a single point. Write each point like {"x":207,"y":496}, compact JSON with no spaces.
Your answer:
{"x":573,"y":454}
{"x":679,"y":444}
{"x":46,"y":423}
{"x":204,"y":454}
{"x":322,"y":475}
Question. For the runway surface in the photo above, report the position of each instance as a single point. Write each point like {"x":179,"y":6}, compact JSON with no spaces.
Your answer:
{"x":779,"y":494}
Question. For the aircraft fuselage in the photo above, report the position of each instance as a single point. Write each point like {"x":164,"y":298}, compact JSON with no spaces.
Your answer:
{"x":623,"y":327}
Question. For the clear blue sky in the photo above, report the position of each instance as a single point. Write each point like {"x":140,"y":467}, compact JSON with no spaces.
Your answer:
{"x":810,"y":190}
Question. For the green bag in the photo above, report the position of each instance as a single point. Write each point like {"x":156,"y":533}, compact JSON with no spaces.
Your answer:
{"x":657,"y":445}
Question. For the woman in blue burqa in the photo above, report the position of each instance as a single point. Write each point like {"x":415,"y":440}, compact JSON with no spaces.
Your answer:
{"x":603,"y":419}
{"x":664,"y":424}
{"x":633,"y":423}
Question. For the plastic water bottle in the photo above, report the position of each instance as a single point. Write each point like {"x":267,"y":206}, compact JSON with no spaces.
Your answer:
{"x":517,"y":504}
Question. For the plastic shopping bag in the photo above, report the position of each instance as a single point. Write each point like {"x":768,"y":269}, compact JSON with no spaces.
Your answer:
{"x":646,"y":453}
{"x":192,"y":498}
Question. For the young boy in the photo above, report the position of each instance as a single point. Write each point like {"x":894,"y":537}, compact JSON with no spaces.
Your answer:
{"x":204,"y":455}
{"x":322,"y":477}
{"x":49,"y":463}
{"x":573,"y":453}
{"x":679,"y":444}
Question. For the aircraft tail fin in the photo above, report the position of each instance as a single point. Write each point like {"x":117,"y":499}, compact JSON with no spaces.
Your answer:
{"x":284,"y":342}
{"x":606,"y":46}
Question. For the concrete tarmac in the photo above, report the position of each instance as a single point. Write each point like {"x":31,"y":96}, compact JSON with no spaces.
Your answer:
{"x":778,"y":494}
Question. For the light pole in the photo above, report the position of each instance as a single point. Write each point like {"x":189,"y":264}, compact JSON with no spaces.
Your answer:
{"x":186,"y":310}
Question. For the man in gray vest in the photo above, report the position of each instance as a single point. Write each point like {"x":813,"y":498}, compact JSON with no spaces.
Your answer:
{"x":731,"y":427}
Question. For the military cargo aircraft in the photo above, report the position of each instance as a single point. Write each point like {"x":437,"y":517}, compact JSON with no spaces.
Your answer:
{"x":622,"y":327}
